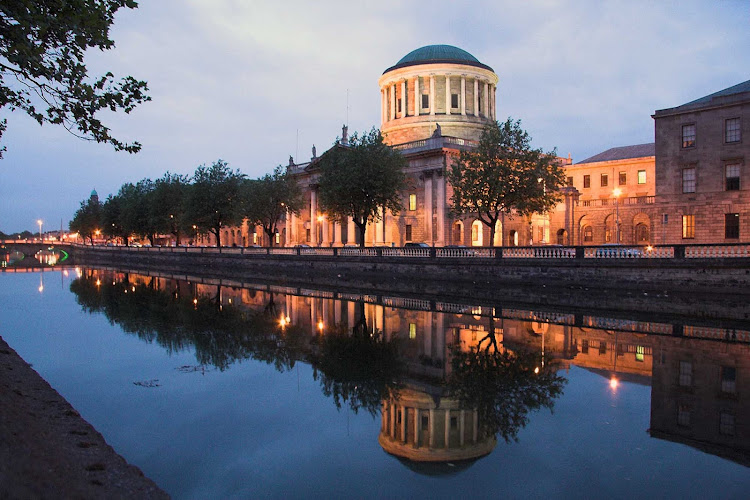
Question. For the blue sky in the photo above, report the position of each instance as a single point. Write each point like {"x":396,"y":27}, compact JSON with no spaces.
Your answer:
{"x":252,"y":82}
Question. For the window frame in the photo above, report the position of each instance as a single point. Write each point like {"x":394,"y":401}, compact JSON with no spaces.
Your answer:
{"x":737,"y":131}
{"x":688,"y":139}
{"x":641,"y":181}
{"x":425,"y":101}
{"x":408,"y":232}
{"x":688,"y":226}
{"x":732,"y":231}
{"x":735,"y":180}
{"x":689,"y":180}
{"x":586,"y":181}
{"x":622,"y":179}
{"x":412,"y":202}
{"x":604,"y":180}
{"x":457,"y":102}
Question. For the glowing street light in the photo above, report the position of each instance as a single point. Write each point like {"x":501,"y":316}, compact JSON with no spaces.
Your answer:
{"x":39,"y":221}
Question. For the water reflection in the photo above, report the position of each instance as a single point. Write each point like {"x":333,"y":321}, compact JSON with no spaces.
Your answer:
{"x":447,"y":379}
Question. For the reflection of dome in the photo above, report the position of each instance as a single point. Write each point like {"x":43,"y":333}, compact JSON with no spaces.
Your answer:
{"x":417,"y":428}
{"x":438,"y":54}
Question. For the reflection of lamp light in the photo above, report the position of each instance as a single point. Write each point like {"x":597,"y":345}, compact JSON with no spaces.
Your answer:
{"x":536,"y":370}
{"x":98,"y":282}
{"x":320,"y":325}
{"x":613,"y":382}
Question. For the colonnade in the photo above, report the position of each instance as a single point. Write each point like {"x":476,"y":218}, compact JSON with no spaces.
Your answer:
{"x":395,"y":424}
{"x":395,"y":93}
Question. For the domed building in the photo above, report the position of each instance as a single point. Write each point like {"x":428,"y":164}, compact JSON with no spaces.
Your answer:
{"x":436,"y":84}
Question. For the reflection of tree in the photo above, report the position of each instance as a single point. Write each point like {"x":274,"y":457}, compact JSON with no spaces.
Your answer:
{"x":220,"y":334}
{"x":361,"y":369}
{"x":503,"y":387}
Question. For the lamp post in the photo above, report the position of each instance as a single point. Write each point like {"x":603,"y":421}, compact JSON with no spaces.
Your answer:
{"x":39,"y":221}
{"x":617,"y":192}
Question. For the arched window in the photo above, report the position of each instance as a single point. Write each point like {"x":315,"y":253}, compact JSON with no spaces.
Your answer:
{"x":458,"y":232}
{"x":562,"y":237}
{"x":588,"y":234}
{"x":641,"y":234}
{"x":498,"y":242}
{"x":476,"y":234}
{"x":513,"y":235}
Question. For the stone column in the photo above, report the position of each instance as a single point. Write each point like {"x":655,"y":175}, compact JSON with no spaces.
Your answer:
{"x":294,"y":239}
{"x":487,"y":99}
{"x":432,"y":94}
{"x":326,"y":239}
{"x":383,"y":115}
{"x":440,"y":209}
{"x":350,"y":314}
{"x":428,"y":206}
{"x":393,"y":101}
{"x":463,"y":94}
{"x":351,"y":229}
{"x":404,"y":111}
{"x":447,"y":427}
{"x":337,"y":240}
{"x":313,"y":217}
{"x":431,"y":425}
{"x":393,"y":421}
{"x":494,"y":101}
{"x":337,"y":305}
{"x":416,"y":427}
{"x":417,"y":97}
{"x":476,"y":97}
{"x":447,"y":94}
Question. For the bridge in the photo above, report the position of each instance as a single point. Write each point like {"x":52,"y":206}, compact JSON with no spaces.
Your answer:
{"x":30,"y":248}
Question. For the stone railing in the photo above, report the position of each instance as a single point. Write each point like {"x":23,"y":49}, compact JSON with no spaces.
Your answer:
{"x":548,"y":252}
{"x":610,"y":202}
{"x":434,"y":143}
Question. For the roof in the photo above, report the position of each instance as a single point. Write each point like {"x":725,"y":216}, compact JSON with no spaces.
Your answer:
{"x":437,"y":54}
{"x":740,"y":88}
{"x":623,"y":153}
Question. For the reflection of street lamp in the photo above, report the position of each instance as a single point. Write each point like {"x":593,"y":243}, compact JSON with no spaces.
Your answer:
{"x":39,"y":221}
{"x":617,"y":192}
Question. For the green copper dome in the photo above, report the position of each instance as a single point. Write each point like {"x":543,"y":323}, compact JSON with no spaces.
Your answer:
{"x":438,"y":54}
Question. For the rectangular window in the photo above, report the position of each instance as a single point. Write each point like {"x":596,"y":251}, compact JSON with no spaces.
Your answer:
{"x":639,"y":352}
{"x":569,"y":182}
{"x":307,"y":235}
{"x":641,"y":177}
{"x":683,"y":415}
{"x":425,"y":422}
{"x":732,"y":177}
{"x":732,"y":130}
{"x":726,"y":424}
{"x":585,"y":346}
{"x":686,"y":374}
{"x":408,"y":232}
{"x":454,"y":423}
{"x":586,"y":181}
{"x":454,"y":100}
{"x":732,"y":226}
{"x":605,"y":180}
{"x":728,"y":379}
{"x":412,"y":330}
{"x":688,"y":136}
{"x":399,"y":104}
{"x":602,"y":347}
{"x":425,"y":101}
{"x":688,"y":180}
{"x":623,"y":178}
{"x":412,"y":202}
{"x":688,"y":227}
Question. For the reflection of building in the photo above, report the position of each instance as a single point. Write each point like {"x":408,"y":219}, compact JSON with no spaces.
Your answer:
{"x":699,"y":396}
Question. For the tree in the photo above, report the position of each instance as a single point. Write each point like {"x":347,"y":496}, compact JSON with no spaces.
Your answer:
{"x":361,"y":180}
{"x":42,"y":68}
{"x":87,"y":219}
{"x":268,"y":198}
{"x":112,"y":218}
{"x":504,"y":175}
{"x":166,"y":204}
{"x":213,"y":200}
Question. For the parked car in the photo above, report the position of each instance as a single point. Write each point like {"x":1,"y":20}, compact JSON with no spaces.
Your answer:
{"x":413,"y":244}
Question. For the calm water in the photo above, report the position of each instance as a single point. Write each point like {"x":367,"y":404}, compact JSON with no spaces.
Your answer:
{"x":205,"y":390}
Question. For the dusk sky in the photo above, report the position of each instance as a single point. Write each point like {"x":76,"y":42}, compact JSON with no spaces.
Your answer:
{"x":242,"y":80}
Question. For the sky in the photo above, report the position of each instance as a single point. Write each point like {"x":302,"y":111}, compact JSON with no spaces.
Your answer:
{"x":253,"y":82}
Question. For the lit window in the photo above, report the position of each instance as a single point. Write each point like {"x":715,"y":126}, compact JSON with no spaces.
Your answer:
{"x":623,"y":178}
{"x":732,"y":226}
{"x":412,"y":330}
{"x":588,"y":234}
{"x":641,"y":177}
{"x":605,"y":180}
{"x":688,"y":180}
{"x":726,"y":424}
{"x":728,"y":379}
{"x":454,"y":100}
{"x":686,"y":374}
{"x":586,"y":181}
{"x":732,"y":130}
{"x":425,"y":101}
{"x":688,"y":136}
{"x":639,"y":352}
{"x":732,"y":177}
{"x":412,"y":202}
{"x":688,"y":227}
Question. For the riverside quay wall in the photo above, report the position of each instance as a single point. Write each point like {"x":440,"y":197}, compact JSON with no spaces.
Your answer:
{"x":716,"y":270}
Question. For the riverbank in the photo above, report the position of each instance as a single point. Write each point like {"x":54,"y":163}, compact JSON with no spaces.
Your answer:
{"x":47,"y":450}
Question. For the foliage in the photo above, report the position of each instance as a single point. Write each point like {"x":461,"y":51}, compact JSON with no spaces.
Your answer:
{"x":166,"y":205}
{"x":361,"y":180}
{"x":42,"y":68}
{"x":503,"y":387}
{"x":112,"y":218}
{"x":87,"y":219}
{"x":269,"y":198}
{"x":214,"y":199}
{"x":504,"y":175}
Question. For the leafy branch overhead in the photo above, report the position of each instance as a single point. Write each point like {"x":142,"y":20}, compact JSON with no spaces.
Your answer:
{"x":43,"y":72}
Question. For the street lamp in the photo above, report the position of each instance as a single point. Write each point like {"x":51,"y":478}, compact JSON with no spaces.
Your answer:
{"x":39,"y":221}
{"x":617,"y":192}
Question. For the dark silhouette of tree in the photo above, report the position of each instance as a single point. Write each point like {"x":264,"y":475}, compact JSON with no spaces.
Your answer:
{"x":87,"y":219}
{"x":361,"y":180}
{"x":268,"y":199}
{"x":504,"y":175}
{"x":167,"y":205}
{"x":503,"y":387}
{"x":43,"y":73}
